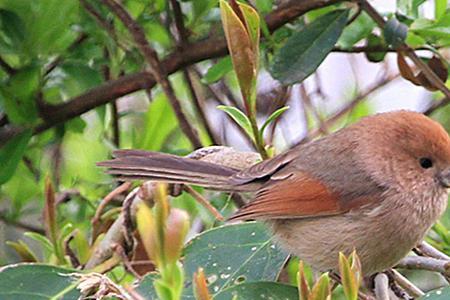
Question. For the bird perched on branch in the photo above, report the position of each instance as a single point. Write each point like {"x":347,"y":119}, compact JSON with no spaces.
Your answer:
{"x":375,"y":186}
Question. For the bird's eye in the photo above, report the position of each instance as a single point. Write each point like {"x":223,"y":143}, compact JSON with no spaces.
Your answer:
{"x":426,"y":162}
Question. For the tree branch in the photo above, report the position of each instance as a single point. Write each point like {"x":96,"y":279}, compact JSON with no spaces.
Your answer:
{"x":157,"y":70}
{"x":425,"y":263}
{"x":427,"y":71}
{"x":211,"y":48}
{"x":224,"y":156}
{"x":182,"y":42}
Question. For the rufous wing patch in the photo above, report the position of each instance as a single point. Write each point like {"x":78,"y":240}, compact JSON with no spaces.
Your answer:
{"x":299,"y":195}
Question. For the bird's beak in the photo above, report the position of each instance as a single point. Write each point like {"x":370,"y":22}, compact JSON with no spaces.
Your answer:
{"x":444,"y":178}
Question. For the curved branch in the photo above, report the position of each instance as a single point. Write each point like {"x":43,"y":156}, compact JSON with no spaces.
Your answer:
{"x":211,"y":48}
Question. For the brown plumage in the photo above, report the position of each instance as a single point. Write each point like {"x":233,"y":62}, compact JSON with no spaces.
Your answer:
{"x":376,"y":186}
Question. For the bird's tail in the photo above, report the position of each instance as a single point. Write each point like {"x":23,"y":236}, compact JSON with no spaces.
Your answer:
{"x":137,"y":164}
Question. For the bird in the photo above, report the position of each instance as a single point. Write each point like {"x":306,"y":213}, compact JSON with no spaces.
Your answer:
{"x":375,"y":186}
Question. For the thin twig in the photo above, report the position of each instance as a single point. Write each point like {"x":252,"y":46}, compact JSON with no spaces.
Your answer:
{"x":200,"y":199}
{"x":157,"y":70}
{"x":126,"y":261}
{"x":128,"y":223}
{"x":116,"y":235}
{"x":427,"y":71}
{"x":114,"y":110}
{"x":381,"y":282}
{"x":356,"y":100}
{"x":210,"y":48}
{"x":20,"y":224}
{"x":372,"y":49}
{"x":182,"y":43}
{"x":57,"y":61}
{"x":219,"y":99}
{"x":105,"y":24}
{"x":69,"y":252}
{"x":425,"y":263}
{"x":117,"y":191}
{"x":30,"y":166}
{"x":406,"y":284}
{"x":323,"y":127}
{"x":430,"y":251}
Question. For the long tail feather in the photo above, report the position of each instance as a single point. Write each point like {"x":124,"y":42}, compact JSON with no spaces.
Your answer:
{"x":138,"y":164}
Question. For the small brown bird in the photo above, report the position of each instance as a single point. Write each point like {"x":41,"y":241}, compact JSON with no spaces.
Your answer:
{"x":376,"y":186}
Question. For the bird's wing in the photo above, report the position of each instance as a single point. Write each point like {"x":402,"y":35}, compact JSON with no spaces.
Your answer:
{"x":295,"y":195}
{"x":264,"y":169}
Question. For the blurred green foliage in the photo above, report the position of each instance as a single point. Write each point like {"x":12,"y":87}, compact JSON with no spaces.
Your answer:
{"x":52,"y":52}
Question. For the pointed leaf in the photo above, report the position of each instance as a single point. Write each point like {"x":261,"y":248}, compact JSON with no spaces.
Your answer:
{"x":440,"y":6}
{"x":349,"y":282}
{"x":147,"y":230}
{"x":200,"y":286}
{"x":43,"y":240}
{"x":303,"y":286}
{"x":50,"y":212}
{"x":241,"y":48}
{"x":217,"y":71}
{"x":239,"y":117}
{"x":23,"y":250}
{"x":11,"y":153}
{"x":273,"y":117}
{"x":321,"y":290}
{"x":306,"y":49}
{"x":252,"y":23}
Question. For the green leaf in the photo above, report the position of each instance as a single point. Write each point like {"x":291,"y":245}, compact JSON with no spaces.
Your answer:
{"x":25,"y":253}
{"x":428,"y":29}
{"x":160,"y":121}
{"x":415,"y":6}
{"x":356,"y":31}
{"x":233,"y":254}
{"x":18,"y":95}
{"x":43,"y":240}
{"x":349,"y":281}
{"x":439,"y":294}
{"x":259,"y":290}
{"x":78,"y":78}
{"x":239,"y":117}
{"x":264,"y":6}
{"x":414,"y":40}
{"x":306,"y":49}
{"x":321,"y":289}
{"x":273,"y":117}
{"x":243,"y":43}
{"x":163,"y":290}
{"x":49,"y":26}
{"x":12,"y":27}
{"x":36,"y":282}
{"x":395,"y":32}
{"x":440,"y":6}
{"x":375,"y":41}
{"x":11,"y":154}
{"x":217,"y":71}
{"x":146,"y":286}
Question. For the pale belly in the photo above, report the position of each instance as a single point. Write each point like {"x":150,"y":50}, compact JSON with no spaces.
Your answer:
{"x":318,"y":241}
